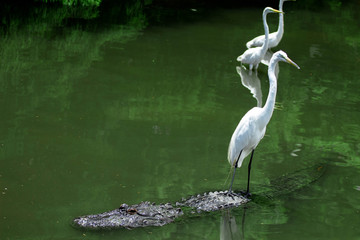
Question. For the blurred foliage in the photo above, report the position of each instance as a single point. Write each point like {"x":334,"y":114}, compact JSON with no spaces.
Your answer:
{"x":48,"y":15}
{"x":94,"y":14}
{"x":94,"y":3}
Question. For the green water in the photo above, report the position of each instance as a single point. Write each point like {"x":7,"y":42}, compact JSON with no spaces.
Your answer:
{"x":93,"y":118}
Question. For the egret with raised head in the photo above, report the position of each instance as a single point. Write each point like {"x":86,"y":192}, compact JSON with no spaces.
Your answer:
{"x":275,"y":37}
{"x":253,"y":56}
{"x":251,"y":128}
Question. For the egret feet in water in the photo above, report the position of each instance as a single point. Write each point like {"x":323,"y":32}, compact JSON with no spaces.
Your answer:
{"x":245,"y":194}
{"x":232,"y":194}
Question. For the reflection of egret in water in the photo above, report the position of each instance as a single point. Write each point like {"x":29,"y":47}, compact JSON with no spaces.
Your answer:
{"x":268,"y":206}
{"x":253,"y":222}
{"x":275,"y":37}
{"x":229,"y":229}
{"x":253,"y":56}
{"x":251,"y":82}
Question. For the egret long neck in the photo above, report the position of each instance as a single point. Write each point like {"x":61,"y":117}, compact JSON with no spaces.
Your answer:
{"x":270,"y":101}
{"x":265,"y":46}
{"x":280,"y":30}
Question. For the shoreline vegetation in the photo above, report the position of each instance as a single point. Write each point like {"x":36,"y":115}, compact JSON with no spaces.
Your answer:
{"x":96,"y":14}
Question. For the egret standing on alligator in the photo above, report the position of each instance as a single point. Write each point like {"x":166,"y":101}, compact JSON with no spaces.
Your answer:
{"x":251,"y":129}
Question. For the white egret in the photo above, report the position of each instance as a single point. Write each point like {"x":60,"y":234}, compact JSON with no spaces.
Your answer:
{"x":266,"y":61}
{"x":267,"y":57}
{"x":275,"y":37}
{"x":253,"y":56}
{"x":251,"y":128}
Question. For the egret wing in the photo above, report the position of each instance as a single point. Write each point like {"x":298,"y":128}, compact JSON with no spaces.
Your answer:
{"x":248,"y":56}
{"x":241,"y":139}
{"x":256,"y":42}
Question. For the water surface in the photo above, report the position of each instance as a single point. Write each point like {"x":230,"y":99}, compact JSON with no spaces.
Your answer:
{"x":93,"y":119}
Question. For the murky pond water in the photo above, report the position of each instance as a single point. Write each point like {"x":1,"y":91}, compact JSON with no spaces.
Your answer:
{"x":93,"y":119}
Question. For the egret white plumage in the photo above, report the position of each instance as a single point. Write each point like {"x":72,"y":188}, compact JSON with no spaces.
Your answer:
{"x":275,"y":37}
{"x":251,"y":128}
{"x":253,"y":56}
{"x":266,"y":61}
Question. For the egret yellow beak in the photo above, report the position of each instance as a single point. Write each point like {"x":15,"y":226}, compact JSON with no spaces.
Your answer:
{"x":292,"y":63}
{"x":277,"y":11}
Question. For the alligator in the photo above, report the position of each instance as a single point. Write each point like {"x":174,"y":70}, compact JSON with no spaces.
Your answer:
{"x":147,"y":214}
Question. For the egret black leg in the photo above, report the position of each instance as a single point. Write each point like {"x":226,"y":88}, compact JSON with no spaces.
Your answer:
{"x":233,"y":177}
{"x":232,"y":180}
{"x":249,"y":169}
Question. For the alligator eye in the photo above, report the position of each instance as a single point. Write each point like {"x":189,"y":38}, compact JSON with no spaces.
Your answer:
{"x":132,"y":211}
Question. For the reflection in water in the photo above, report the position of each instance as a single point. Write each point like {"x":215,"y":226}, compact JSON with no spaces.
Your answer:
{"x":251,"y":82}
{"x":294,"y":153}
{"x":259,"y":220}
{"x":228,"y":227}
{"x":315,"y":51}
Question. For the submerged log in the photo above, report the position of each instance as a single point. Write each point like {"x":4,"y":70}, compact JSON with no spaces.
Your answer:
{"x":150,"y":214}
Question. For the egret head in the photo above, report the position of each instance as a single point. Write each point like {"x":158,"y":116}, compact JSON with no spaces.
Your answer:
{"x":271,"y":10}
{"x":282,"y":56}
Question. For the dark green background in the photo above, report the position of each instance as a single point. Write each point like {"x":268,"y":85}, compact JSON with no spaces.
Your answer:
{"x":134,"y":101}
